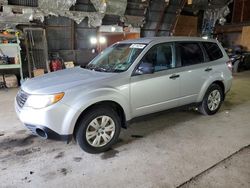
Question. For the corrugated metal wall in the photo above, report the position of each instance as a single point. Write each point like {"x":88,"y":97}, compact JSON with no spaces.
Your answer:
{"x":58,"y":30}
{"x":71,"y":40}
{"x":31,"y":3}
{"x":153,"y":17}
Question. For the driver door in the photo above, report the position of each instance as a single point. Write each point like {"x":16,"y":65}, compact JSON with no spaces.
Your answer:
{"x":157,"y":91}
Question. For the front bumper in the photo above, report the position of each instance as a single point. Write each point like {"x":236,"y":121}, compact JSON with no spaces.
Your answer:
{"x":49,"y":134}
{"x":57,"y":121}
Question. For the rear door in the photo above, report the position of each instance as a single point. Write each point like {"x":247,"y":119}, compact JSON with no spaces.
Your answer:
{"x":191,"y":58}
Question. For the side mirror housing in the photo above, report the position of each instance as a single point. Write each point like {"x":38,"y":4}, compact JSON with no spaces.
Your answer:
{"x":145,"y":68}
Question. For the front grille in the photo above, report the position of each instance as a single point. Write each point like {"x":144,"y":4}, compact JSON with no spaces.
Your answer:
{"x":21,"y":98}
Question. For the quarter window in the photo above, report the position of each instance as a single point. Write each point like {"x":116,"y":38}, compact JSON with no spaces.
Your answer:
{"x":213,"y":50}
{"x":190,"y":53}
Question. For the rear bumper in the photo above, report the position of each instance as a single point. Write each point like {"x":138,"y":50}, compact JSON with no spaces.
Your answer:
{"x":48,"y":133}
{"x":228,"y":84}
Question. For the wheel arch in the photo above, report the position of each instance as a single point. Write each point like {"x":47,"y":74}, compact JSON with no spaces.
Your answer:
{"x":207,"y":85}
{"x":106,"y":103}
{"x":222,"y":86}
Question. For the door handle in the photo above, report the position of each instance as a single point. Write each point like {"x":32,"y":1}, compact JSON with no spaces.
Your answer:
{"x":174,"y":76}
{"x":208,"y":69}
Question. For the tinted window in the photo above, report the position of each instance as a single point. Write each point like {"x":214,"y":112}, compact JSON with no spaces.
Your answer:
{"x":160,"y":56}
{"x":190,"y":53}
{"x":213,"y":50}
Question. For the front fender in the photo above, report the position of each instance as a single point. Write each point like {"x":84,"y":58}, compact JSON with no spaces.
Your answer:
{"x":82,"y":102}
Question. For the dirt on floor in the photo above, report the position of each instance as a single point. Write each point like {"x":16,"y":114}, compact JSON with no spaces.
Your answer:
{"x":175,"y":148}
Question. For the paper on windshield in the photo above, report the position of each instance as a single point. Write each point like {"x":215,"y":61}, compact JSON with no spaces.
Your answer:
{"x":138,"y":46}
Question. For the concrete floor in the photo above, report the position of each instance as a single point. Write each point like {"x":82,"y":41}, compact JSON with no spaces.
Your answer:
{"x":177,"y":148}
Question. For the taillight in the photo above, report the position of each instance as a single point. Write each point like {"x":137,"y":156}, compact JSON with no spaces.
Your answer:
{"x":230,"y":65}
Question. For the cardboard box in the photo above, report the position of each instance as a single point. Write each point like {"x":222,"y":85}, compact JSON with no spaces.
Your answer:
{"x":38,"y":72}
{"x":11,"y":80}
{"x":69,"y":64}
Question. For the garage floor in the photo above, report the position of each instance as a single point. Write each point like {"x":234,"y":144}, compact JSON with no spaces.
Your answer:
{"x":177,"y":148}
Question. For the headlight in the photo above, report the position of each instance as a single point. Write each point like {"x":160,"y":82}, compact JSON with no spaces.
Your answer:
{"x":42,"y":101}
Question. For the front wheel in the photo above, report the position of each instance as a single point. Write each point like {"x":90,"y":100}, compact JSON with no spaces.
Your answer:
{"x":212,"y":100}
{"x":98,"y":130}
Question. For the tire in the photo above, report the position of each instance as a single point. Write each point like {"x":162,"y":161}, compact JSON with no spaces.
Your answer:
{"x":205,"y":107}
{"x":101,"y":135}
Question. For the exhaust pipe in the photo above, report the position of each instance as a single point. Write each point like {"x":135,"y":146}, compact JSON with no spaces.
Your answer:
{"x":41,"y":133}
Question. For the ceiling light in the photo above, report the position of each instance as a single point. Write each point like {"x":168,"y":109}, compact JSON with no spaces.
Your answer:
{"x":93,"y":40}
{"x":102,"y":40}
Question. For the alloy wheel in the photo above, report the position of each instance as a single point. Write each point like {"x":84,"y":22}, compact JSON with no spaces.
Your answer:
{"x":214,"y":100}
{"x":100,"y":131}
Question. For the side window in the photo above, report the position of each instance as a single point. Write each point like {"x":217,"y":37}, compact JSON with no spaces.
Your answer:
{"x":160,"y":56}
{"x":190,"y":53}
{"x":213,"y":50}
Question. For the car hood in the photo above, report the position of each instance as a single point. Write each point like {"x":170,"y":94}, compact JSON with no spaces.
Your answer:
{"x":65,"y":79}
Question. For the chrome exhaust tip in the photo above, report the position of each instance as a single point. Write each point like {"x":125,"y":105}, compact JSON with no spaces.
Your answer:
{"x":41,"y":133}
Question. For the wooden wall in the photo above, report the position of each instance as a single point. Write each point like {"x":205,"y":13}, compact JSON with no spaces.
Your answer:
{"x":186,"y":26}
{"x":116,"y":37}
{"x":245,"y":37}
{"x":231,"y":39}
{"x":113,"y":38}
{"x":241,"y":12}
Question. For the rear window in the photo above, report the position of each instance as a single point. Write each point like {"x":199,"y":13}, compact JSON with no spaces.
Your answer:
{"x":213,"y":50}
{"x":190,"y":53}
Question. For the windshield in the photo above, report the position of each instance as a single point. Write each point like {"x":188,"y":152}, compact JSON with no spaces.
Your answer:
{"x":116,"y":58}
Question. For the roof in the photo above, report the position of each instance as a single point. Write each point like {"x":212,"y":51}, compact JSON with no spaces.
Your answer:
{"x":148,"y":40}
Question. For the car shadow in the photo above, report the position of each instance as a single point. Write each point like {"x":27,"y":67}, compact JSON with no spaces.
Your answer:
{"x":147,"y":125}
{"x":239,"y":94}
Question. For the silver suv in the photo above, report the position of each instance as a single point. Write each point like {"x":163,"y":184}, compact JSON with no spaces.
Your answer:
{"x":129,"y":79}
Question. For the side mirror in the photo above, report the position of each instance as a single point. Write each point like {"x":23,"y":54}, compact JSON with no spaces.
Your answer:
{"x":145,"y":68}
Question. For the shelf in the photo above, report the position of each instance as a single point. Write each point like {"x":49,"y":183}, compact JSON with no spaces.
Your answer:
{"x":10,"y":66}
{"x":11,"y":50}
{"x":9,"y":36}
{"x":9,"y":44}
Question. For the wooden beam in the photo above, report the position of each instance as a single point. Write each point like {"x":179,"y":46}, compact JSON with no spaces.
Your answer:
{"x":178,"y":12}
{"x":160,"y":21}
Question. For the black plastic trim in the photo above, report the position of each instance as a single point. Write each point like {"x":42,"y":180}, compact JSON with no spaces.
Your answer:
{"x":149,"y":116}
{"x":50,"y":133}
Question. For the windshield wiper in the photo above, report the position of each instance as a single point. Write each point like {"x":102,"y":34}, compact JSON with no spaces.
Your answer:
{"x":95,"y":68}
{"x":88,"y":66}
{"x":102,"y":69}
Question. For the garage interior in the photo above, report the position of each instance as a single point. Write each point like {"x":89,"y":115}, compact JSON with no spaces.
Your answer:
{"x":177,"y":148}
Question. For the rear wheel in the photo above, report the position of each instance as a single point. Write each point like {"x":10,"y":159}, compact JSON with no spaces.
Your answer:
{"x":212,"y":100}
{"x":98,"y":130}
